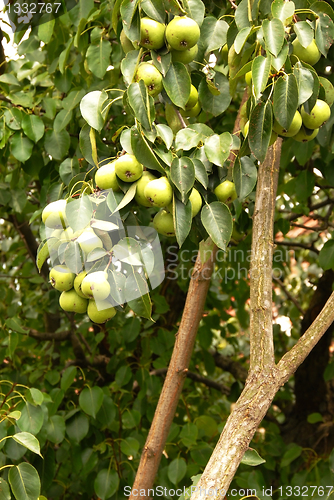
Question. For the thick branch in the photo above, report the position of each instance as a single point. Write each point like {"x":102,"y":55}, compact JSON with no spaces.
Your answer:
{"x":177,"y":371}
{"x":58,"y":336}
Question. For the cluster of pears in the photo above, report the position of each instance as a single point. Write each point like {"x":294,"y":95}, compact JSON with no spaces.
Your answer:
{"x":85,"y":292}
{"x":180,"y":36}
{"x":151,"y":191}
{"x":306,"y":122}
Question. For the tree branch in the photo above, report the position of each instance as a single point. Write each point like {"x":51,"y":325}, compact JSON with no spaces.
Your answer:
{"x":197,"y":378}
{"x":178,"y":369}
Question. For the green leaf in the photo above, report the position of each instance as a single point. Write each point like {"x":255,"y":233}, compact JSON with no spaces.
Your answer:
{"x":68,"y":169}
{"x":33,"y":127}
{"x":305,"y":82}
{"x":189,"y":434}
{"x":36,"y":396}
{"x":274,"y":35}
{"x":291,"y":454}
{"x":117,"y":286}
{"x":79,"y":212}
{"x":98,"y":58}
{"x":182,"y":173}
{"x":141,"y":103}
{"x":165,"y":133}
{"x":92,"y":109}
{"x":63,"y":118}
{"x":137,"y":296}
{"x":241,"y":39}
{"x":77,"y":428}
{"x":201,"y":174}
{"x":154,"y":9}
{"x":129,"y":65}
{"x":183,"y":220}
{"x":28,"y":441}
{"x":63,"y":57}
{"x":129,"y":447}
{"x":68,"y":377}
{"x":217,"y":220}
{"x":324,"y":32}
{"x":177,"y":84}
{"x":106,"y":483}
{"x":251,"y":457}
{"x":242,"y":15}
{"x":304,"y":32}
{"x":217,"y":148}
{"x":73,"y":257}
{"x":215,"y":104}
{"x":177,"y":470}
{"x":24,"y":481}
{"x":282,"y":10}
{"x":279,"y":61}
{"x":14,"y":324}
{"x":144,"y":152}
{"x":107,"y":412}
{"x":305,"y":182}
{"x":31,"y":419}
{"x":260,"y":73}
{"x":194,"y":9}
{"x":260,"y":128}
{"x":90,"y":400}
{"x":13,"y":118}
{"x":162,"y":62}
{"x":326,"y":255}
{"x":187,"y":138}
{"x":21,"y":147}
{"x":213,"y":33}
{"x":73,"y":98}
{"x":328,"y":89}
{"x":129,"y":195}
{"x":244,"y":176}
{"x":57,"y":144}
{"x":4,"y":490}
{"x":314,"y":418}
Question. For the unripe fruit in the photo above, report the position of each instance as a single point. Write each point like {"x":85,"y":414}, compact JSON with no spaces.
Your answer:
{"x":310,"y":54}
{"x":105,"y":177}
{"x":88,"y":241}
{"x":226,"y":192}
{"x":152,"y":34}
{"x":292,"y":130}
{"x":319,"y":114}
{"x":141,"y":184}
{"x":101,"y":311}
{"x":196,"y":202}
{"x":182,"y":33}
{"x":192,"y":112}
{"x":96,"y":286}
{"x":128,"y":168}
{"x":193,"y":98}
{"x":248,"y":78}
{"x":71,"y":302}
{"x":245,"y":129}
{"x":163,"y":223}
{"x":66,"y":235}
{"x":54,"y":215}
{"x":77,"y":283}
{"x":151,"y":76}
{"x":61,"y":278}
{"x":159,"y":192}
{"x":303,"y":136}
{"x":127,"y":45}
{"x":185,"y":56}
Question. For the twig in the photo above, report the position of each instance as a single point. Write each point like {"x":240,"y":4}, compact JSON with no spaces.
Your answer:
{"x":290,"y":296}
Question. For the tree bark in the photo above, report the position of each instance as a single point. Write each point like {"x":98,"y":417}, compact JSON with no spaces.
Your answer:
{"x":177,"y":371}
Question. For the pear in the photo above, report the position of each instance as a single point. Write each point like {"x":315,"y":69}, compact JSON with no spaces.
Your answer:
{"x":196,"y":202}
{"x":141,"y":184}
{"x":95,"y":285}
{"x":309,"y":54}
{"x":292,"y":130}
{"x":182,"y":33}
{"x":101,"y":311}
{"x":151,"y":76}
{"x":61,"y":278}
{"x":163,"y":223}
{"x":185,"y":56}
{"x":70,"y":301}
{"x":318,"y":115}
{"x":226,"y":192}
{"x":193,"y":98}
{"x":152,"y":34}
{"x":105,"y":177}
{"x":88,"y":241}
{"x":77,"y":283}
{"x":159,"y":192}
{"x":128,"y":168}
{"x":54,"y":215}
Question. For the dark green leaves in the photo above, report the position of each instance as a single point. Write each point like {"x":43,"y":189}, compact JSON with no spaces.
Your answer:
{"x":24,"y":481}
{"x":141,"y":103}
{"x":274,"y":35}
{"x":182,"y":217}
{"x":260,"y":128}
{"x":182,"y":174}
{"x":144,"y":152}
{"x":215,"y":103}
{"x":244,"y":176}
{"x":285,"y":99}
{"x":324,"y":32}
{"x":305,"y":82}
{"x":260,"y":73}
{"x":92,"y":108}
{"x":217,"y":148}
{"x":217,"y":220}
{"x":106,"y":483}
{"x":177,"y":84}
{"x":90,"y":400}
{"x":98,"y":58}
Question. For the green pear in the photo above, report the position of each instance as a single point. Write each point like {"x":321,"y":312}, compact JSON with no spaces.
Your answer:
{"x":152,"y":34}
{"x":151,"y":76}
{"x":318,"y":115}
{"x":159,"y":192}
{"x":305,"y":135}
{"x":101,"y":311}
{"x":196,"y":202}
{"x":105,"y":177}
{"x":185,"y":56}
{"x":163,"y":223}
{"x":66,"y":235}
{"x":248,"y":78}
{"x":128,"y":168}
{"x":309,"y":54}
{"x":182,"y":33}
{"x":95,"y":285}
{"x":292,"y":130}
{"x":126,"y":44}
{"x":70,"y":301}
{"x":88,"y":240}
{"x":191,"y":113}
{"x":193,"y":98}
{"x":77,"y":283}
{"x":226,"y":192}
{"x":61,"y":278}
{"x":54,"y":215}
{"x":141,"y":184}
